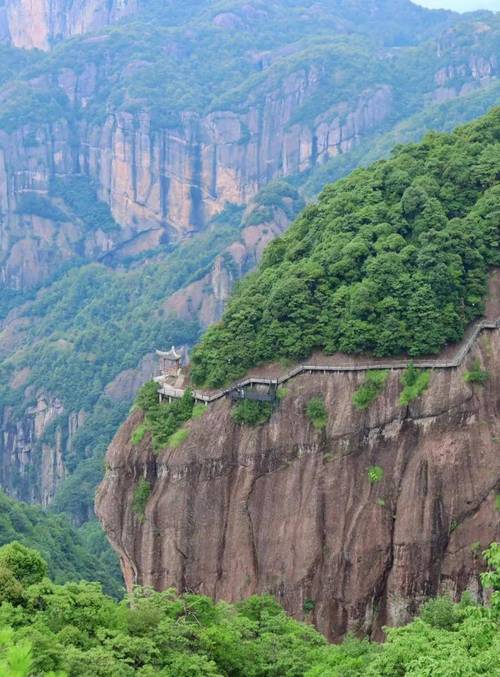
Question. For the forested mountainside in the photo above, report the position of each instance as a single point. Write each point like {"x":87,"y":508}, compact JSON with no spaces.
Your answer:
{"x":147,"y":161}
{"x":393,"y":259}
{"x":44,"y":24}
{"x":76,"y":630}
{"x":70,"y":556}
{"x":354,"y":492}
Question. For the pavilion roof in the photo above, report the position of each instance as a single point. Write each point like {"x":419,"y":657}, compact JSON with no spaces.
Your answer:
{"x":172,"y":354}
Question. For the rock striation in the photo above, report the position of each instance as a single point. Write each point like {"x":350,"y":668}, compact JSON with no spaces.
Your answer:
{"x":41,"y":24}
{"x":290,"y":510}
{"x":165,"y":184}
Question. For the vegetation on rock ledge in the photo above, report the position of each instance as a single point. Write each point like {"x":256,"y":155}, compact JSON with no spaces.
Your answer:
{"x":162,"y":419}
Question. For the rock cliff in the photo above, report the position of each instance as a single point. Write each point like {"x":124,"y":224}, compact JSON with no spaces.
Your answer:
{"x":160,"y":185}
{"x":40,"y":24}
{"x":290,"y":510}
{"x":24,"y":450}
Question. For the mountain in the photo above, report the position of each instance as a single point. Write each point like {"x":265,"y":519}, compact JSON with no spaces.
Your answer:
{"x":364,"y":483}
{"x":145,"y":164}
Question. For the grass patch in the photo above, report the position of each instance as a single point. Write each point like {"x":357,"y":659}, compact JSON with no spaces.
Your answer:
{"x":142,"y":492}
{"x":176,"y":439}
{"x":375,"y":474}
{"x":316,"y":413}
{"x":252,"y":412}
{"x":281,"y":393}
{"x":497,"y":502}
{"x":370,"y":389}
{"x":476,"y":374}
{"x":381,"y":502}
{"x":415,"y":382}
{"x":138,"y":434}
{"x":198,"y":410}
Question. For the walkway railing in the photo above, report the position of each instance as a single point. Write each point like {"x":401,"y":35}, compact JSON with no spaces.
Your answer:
{"x":481,"y":325}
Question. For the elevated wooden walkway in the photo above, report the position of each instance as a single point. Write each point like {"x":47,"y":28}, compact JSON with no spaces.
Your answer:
{"x":234,"y":391}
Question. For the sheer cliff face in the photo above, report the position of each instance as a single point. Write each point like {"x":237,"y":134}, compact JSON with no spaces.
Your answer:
{"x":289,"y":510}
{"x":40,"y":24}
{"x":160,"y":184}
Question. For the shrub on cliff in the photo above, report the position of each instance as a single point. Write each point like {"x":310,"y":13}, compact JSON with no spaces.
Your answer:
{"x":316,"y":413}
{"x":415,"y":382}
{"x":142,"y":492}
{"x":475,"y":374}
{"x":250,"y":412}
{"x":370,"y":389}
{"x":392,"y":259}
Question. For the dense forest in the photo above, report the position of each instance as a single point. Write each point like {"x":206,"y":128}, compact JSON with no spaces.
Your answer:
{"x":75,"y":629}
{"x":393,"y":259}
{"x":70,"y":555}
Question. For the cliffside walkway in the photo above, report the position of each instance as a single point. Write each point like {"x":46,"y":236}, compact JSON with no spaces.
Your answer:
{"x":453,"y":362}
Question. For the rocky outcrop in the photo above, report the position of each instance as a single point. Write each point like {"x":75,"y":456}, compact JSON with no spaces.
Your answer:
{"x":42,"y":23}
{"x":206,"y":298}
{"x":161,"y":184}
{"x":37,"y":437}
{"x":290,"y":510}
{"x":25,"y":452}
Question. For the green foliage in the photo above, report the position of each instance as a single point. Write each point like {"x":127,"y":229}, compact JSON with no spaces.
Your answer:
{"x":251,"y":412}
{"x":142,"y":492}
{"x":370,"y":389}
{"x":375,"y":474}
{"x":392,"y":259}
{"x":80,"y":195}
{"x":440,"y":612}
{"x":163,"y":419}
{"x":309,"y":605}
{"x":27,"y":565}
{"x":415,"y":382}
{"x":15,"y":656}
{"x":72,"y":554}
{"x":176,"y":439}
{"x":77,"y":630}
{"x":198,"y":410}
{"x":138,"y":434}
{"x":317,"y":413}
{"x":39,"y":205}
{"x":476,"y":374}
{"x":282,"y":392}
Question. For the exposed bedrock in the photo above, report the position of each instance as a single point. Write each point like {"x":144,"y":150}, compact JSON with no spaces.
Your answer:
{"x":161,"y":184}
{"x":40,"y":23}
{"x":286,"y":509}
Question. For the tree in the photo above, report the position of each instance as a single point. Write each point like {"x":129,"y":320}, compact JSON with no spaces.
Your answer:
{"x":26,"y":564}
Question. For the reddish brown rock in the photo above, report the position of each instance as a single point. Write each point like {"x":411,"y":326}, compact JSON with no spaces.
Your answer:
{"x":289,"y":510}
